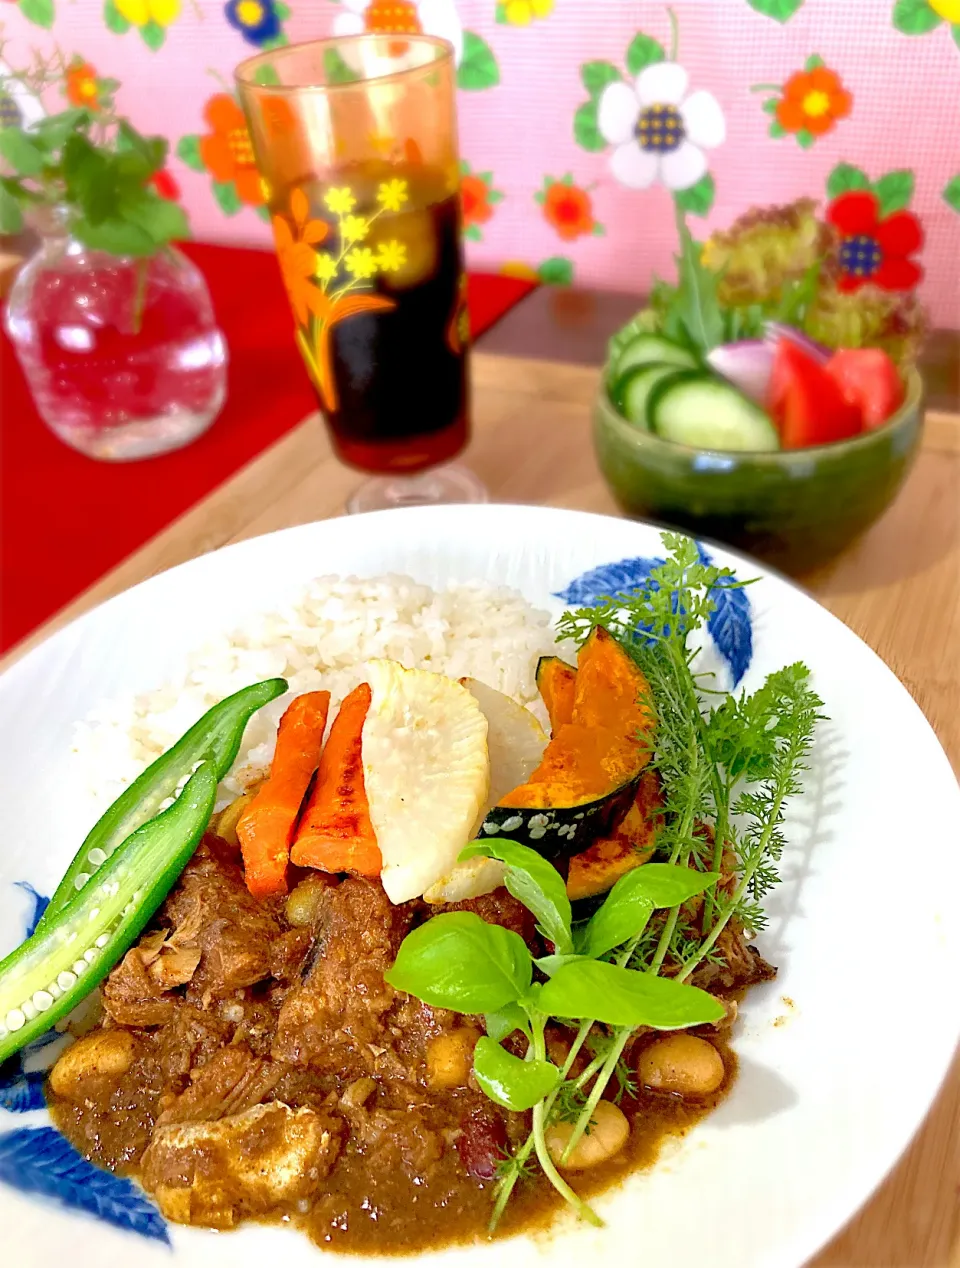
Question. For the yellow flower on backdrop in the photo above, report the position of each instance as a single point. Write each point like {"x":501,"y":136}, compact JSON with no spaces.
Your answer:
{"x":523,"y":12}
{"x":140,"y":12}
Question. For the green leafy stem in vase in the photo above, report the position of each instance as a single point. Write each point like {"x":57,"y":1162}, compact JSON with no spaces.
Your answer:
{"x":93,"y":163}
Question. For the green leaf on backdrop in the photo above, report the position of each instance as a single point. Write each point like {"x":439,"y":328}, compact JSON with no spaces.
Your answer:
{"x":263,"y":212}
{"x":805,"y":139}
{"x":644,"y":50}
{"x":915,"y":17}
{"x":557,"y":271}
{"x":11,"y":217}
{"x":894,"y":191}
{"x":40,"y":12}
{"x":282,"y":10}
{"x":698,"y":199}
{"x":188,"y":151}
{"x":336,"y":69}
{"x":225,"y":192}
{"x":780,"y":10}
{"x":266,"y":76}
{"x":153,"y":35}
{"x":472,"y":233}
{"x":478,"y":67}
{"x":777,"y":129}
{"x":114,"y":19}
{"x":951,"y":193}
{"x":586,"y":132}
{"x":495,"y":196}
{"x":598,"y":230}
{"x":813,"y":62}
{"x":500,"y":13}
{"x":596,"y":76}
{"x":278,"y":41}
{"x":770,"y":105}
{"x":955,"y":32}
{"x":20,"y":152}
{"x":844,"y":178}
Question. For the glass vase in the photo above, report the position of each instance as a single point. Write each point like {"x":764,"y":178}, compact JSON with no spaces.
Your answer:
{"x":123,"y":355}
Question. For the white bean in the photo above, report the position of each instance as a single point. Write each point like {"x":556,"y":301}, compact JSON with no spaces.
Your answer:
{"x":683,"y":1064}
{"x":606,"y":1136}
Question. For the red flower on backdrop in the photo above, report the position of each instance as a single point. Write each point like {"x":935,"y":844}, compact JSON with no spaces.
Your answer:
{"x":165,"y":185}
{"x":873,"y":248}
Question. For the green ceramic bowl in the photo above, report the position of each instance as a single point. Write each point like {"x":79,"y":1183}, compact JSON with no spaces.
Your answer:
{"x":795,"y":507}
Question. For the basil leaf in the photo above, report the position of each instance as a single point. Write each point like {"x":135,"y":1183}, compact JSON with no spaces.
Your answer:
{"x":662,"y":884}
{"x":458,"y":961}
{"x":617,"y":921}
{"x":624,"y":997}
{"x":629,"y":904}
{"x":505,"y":1021}
{"x":549,"y":964}
{"x":511,"y":1082}
{"x":533,"y":881}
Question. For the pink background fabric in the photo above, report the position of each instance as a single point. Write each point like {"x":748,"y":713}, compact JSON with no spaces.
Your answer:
{"x":905,"y":115}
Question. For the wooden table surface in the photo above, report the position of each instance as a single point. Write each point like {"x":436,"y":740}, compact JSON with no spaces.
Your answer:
{"x":898,"y":588}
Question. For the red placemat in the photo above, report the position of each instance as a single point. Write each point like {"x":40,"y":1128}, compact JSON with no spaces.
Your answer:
{"x":65,"y":519}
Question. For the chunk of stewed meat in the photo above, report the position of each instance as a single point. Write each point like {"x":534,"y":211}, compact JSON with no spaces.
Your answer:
{"x":269,"y":1157}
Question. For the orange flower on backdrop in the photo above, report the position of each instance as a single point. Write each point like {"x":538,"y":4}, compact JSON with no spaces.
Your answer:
{"x":568,"y":208}
{"x":227,"y":151}
{"x":809,"y":105}
{"x":813,"y":99}
{"x":478,"y":198}
{"x":81,"y":86}
{"x":298,"y":261}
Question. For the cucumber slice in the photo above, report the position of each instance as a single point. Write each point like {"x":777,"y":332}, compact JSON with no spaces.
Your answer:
{"x":707,"y":413}
{"x":632,"y":390}
{"x":646,"y":349}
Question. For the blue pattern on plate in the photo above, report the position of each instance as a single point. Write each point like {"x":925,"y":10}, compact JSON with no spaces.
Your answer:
{"x":40,"y":905}
{"x":729,"y":624}
{"x":39,"y":1160}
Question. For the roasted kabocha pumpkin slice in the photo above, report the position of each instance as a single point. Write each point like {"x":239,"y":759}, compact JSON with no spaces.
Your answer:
{"x":556,"y":682}
{"x":590,"y":770}
{"x":630,"y":844}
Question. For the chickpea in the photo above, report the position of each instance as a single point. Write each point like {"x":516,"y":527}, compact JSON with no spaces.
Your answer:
{"x":105,"y":1053}
{"x":606,"y":1136}
{"x":450,"y":1058}
{"x":229,"y":817}
{"x":303,"y":902}
{"x":683,"y":1064}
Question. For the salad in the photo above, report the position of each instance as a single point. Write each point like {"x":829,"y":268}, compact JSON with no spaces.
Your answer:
{"x":757,"y":346}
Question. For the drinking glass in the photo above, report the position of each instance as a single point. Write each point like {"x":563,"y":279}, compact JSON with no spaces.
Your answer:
{"x":356,"y":143}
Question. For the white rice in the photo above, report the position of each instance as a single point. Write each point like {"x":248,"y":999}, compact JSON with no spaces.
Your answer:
{"x":322,"y":640}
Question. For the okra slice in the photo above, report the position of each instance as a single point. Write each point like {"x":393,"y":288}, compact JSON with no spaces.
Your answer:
{"x":216,"y":737}
{"x":49,"y":974}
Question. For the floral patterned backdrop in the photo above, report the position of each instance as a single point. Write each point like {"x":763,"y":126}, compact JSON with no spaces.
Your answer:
{"x":577,"y":117}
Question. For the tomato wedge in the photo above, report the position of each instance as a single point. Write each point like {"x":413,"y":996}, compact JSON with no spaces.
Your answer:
{"x":806,"y":403}
{"x":868,"y":379}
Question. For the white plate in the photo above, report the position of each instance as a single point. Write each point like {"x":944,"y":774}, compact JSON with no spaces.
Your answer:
{"x":864,"y":927}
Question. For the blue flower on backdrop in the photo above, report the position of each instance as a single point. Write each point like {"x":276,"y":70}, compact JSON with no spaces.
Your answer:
{"x":260,"y":22}
{"x":729,"y":624}
{"x":40,"y":1161}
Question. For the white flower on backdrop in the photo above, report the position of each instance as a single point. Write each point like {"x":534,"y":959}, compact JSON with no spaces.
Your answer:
{"x":659,"y":131}
{"x":431,"y":17}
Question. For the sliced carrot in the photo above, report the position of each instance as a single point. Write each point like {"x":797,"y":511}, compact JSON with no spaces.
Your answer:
{"x":266,"y":827}
{"x":335,"y":832}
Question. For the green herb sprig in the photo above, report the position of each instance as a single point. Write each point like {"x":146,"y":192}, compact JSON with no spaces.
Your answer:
{"x":727,"y":766}
{"x":94,"y":163}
